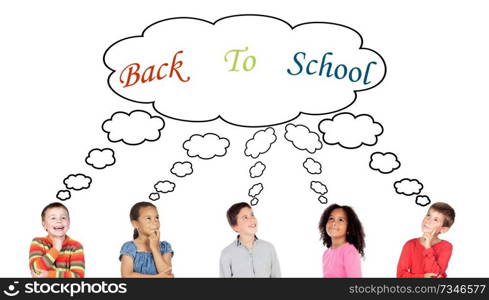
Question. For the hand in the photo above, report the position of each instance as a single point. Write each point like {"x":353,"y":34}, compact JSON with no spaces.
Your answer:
{"x":58,"y":243}
{"x":39,"y":274}
{"x":166,"y":274}
{"x":154,"y":241}
{"x":428,"y":238}
{"x":431,"y":275}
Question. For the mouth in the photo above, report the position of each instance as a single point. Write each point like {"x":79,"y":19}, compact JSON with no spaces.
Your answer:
{"x":59,"y":228}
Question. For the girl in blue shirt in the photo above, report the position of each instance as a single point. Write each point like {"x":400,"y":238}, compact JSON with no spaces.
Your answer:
{"x":146,"y":256}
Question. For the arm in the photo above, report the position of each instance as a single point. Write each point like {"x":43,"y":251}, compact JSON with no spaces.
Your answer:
{"x":41,"y":257}
{"x":77,"y":266}
{"x":352,"y":264}
{"x":275,"y":273}
{"x":404,"y":264}
{"x":225,"y":266}
{"x":437,"y":265}
{"x":127,"y":269}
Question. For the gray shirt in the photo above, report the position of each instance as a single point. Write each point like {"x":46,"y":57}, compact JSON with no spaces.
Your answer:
{"x":258,"y":261}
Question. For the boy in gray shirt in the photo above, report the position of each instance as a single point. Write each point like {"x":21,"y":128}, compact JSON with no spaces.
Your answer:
{"x":247,"y":256}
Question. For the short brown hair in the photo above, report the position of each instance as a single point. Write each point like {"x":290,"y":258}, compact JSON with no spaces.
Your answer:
{"x":53,"y":205}
{"x":233,"y":212}
{"x":447,"y":211}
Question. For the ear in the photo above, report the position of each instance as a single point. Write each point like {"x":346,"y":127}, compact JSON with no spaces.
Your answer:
{"x":234,"y":228}
{"x":135,"y":224}
{"x":44,"y":225}
{"x":444,"y":229}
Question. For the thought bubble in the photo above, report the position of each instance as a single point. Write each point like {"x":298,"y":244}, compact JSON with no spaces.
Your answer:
{"x":248,"y":70}
{"x":206,"y":146}
{"x":350,"y":131}
{"x":385,"y":163}
{"x":257,"y":169}
{"x":422,"y":200}
{"x":63,"y":195}
{"x":182,"y":169}
{"x":319,"y":187}
{"x":323,"y":200}
{"x":408,"y":186}
{"x":260,"y":143}
{"x":134,"y":128}
{"x":154,"y":196}
{"x":312,"y":166}
{"x":100,"y":158}
{"x":254,"y":201}
{"x":303,"y":138}
{"x":255,"y":190}
{"x":77,"y":182}
{"x":164,"y":186}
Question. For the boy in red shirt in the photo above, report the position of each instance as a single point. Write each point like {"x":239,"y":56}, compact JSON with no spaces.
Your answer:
{"x":428,"y":255}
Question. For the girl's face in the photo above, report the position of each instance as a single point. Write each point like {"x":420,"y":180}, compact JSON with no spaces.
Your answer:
{"x":433,"y":221}
{"x":56,"y":222}
{"x":337,"y":224}
{"x":148,"y":221}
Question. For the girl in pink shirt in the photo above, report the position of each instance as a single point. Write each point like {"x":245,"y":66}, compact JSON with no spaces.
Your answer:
{"x":342,"y":232}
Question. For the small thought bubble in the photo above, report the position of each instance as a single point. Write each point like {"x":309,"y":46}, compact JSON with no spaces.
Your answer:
{"x":385,"y":163}
{"x":257,"y":169}
{"x":206,"y":146}
{"x":260,"y":143}
{"x":63,"y":195}
{"x":133,"y":128}
{"x":312,"y":166}
{"x":164,"y":186}
{"x":323,"y":200}
{"x":255,"y":190}
{"x":408,"y":186}
{"x":303,"y":138}
{"x":100,"y":158}
{"x":422,"y":200}
{"x":77,"y":182}
{"x":319,"y":187}
{"x":154,"y":196}
{"x":182,"y":169}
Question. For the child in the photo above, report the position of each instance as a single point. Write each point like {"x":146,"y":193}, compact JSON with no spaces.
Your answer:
{"x":247,"y":256}
{"x":146,"y":256}
{"x":56,"y":255}
{"x":428,"y":255}
{"x":342,"y":232}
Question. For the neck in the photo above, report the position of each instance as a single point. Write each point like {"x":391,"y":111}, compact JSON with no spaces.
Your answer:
{"x":338,"y":242}
{"x":247,"y":240}
{"x":52,"y":237}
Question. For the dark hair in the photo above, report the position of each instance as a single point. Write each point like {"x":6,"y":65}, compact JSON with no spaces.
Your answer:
{"x":233,"y":212}
{"x":53,"y":205}
{"x":446,"y":210}
{"x":134,"y":214}
{"x":354,"y":230}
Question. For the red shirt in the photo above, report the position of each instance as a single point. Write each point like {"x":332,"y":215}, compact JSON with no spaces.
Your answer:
{"x":416,"y":260}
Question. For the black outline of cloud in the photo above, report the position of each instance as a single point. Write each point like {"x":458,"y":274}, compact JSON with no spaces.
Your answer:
{"x":255,"y":200}
{"x":69,"y":195}
{"x":122,"y":140}
{"x":89,"y":182}
{"x":410,"y":179}
{"x":256,"y":184}
{"x":383,"y":154}
{"x":418,"y":196}
{"x":321,"y":184}
{"x":319,"y":138}
{"x":322,"y":196}
{"x":113,"y":155}
{"x":210,"y":133}
{"x":182,"y":162}
{"x":157,"y":193}
{"x":320,"y":166}
{"x":258,"y":162}
{"x":246,"y":144}
{"x":163,"y":181}
{"x":354,"y":117}
{"x":243,"y":15}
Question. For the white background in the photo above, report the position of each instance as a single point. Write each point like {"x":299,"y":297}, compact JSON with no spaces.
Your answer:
{"x":432,"y":105}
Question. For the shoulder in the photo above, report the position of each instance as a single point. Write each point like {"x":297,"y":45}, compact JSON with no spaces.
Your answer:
{"x":128,"y":248}
{"x":165,"y":247}
{"x":228,"y":250}
{"x":266,"y":245}
{"x":445,"y":245}
{"x":411,"y":243}
{"x":350,"y":249}
{"x":75,"y":244}
{"x":41,"y":240}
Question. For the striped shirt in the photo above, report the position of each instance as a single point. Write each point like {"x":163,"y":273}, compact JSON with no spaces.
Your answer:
{"x":67,"y":263}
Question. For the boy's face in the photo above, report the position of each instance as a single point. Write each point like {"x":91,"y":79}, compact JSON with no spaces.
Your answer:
{"x":148,"y":221}
{"x":337,"y":224}
{"x":246,"y":223}
{"x":433,"y":222}
{"x":56,"y":221}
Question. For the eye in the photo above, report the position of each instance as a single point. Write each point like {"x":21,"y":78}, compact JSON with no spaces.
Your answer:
{"x":158,"y":218}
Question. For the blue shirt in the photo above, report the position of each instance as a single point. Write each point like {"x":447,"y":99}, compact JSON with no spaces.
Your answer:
{"x":143,"y":261}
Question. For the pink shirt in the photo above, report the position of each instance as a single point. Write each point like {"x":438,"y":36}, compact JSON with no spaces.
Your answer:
{"x":342,"y":262}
